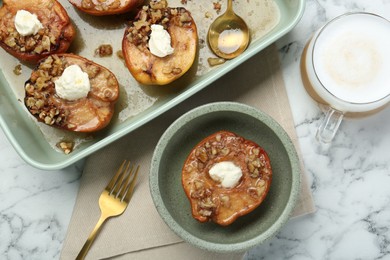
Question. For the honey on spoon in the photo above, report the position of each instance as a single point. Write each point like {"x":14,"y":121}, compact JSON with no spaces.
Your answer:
{"x":228,"y":35}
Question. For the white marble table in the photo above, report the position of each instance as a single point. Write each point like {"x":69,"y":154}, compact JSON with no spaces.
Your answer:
{"x":350,"y":180}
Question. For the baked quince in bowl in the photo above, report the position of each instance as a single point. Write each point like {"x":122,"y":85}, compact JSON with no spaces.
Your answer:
{"x":226,"y":176}
{"x":33,"y":29}
{"x":250,"y":207}
{"x":160,"y":44}
{"x":70,"y":92}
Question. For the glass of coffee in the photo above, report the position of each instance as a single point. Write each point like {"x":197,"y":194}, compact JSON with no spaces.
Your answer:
{"x":346,"y":67}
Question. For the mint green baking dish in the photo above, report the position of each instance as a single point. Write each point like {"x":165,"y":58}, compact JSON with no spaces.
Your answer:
{"x":27,"y":139}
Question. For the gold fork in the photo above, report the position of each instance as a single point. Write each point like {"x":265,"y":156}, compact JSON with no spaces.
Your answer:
{"x":114,"y":200}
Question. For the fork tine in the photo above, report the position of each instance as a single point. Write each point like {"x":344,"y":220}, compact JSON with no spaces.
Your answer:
{"x":128,"y":191}
{"x":119,"y":183}
{"x":114,"y":179}
{"x":121,"y":188}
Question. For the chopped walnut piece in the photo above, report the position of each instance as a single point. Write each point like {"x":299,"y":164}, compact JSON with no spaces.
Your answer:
{"x":66,"y":147}
{"x":18,"y":69}
{"x":225,"y":200}
{"x":217,"y":6}
{"x":104,"y":50}
{"x":158,"y":4}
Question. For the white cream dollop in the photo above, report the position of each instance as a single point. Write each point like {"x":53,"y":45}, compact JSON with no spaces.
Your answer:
{"x":227,"y":173}
{"x":160,"y":41}
{"x":27,"y":23}
{"x":73,"y":83}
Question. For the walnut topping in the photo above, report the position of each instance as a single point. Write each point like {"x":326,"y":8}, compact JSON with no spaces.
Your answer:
{"x":185,"y":18}
{"x":157,"y":68}
{"x":158,"y":4}
{"x":225,"y":200}
{"x":41,"y":99}
{"x":37,"y":43}
{"x":199,"y":191}
{"x":201,"y":154}
{"x":39,"y":88}
{"x":198,"y":185}
{"x":253,"y":192}
{"x":46,"y":40}
{"x":206,"y":207}
{"x":139,"y":30}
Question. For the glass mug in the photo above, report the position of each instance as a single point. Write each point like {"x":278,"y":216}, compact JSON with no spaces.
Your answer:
{"x":346,"y":67}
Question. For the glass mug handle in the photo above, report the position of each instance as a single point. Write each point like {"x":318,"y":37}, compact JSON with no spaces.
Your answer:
{"x":328,"y":127}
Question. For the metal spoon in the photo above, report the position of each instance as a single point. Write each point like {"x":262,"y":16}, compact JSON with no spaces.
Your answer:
{"x":228,"y":35}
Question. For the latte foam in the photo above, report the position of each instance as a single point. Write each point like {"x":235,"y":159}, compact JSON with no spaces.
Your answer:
{"x":351,"y":58}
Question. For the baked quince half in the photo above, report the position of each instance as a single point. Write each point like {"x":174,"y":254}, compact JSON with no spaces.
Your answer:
{"x":33,"y":29}
{"x":178,"y":25}
{"x":75,"y":108}
{"x":105,"y":7}
{"x":226,"y":176}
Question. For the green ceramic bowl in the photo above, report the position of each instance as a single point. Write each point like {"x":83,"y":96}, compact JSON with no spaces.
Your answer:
{"x":176,"y":143}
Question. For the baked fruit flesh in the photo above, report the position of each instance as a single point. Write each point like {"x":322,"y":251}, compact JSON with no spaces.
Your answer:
{"x":87,"y":114}
{"x":147,"y":68}
{"x":55,"y":36}
{"x":105,"y":7}
{"x":210,"y":200}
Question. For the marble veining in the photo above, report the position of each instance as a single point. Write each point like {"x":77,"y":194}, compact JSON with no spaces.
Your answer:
{"x":350,"y":179}
{"x":35,"y":206}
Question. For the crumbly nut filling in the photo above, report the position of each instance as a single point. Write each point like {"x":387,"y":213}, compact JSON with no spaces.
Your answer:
{"x":41,"y":99}
{"x":41,"y":86}
{"x":138,"y":31}
{"x":46,"y":40}
{"x":216,"y":148}
{"x":208,"y":198}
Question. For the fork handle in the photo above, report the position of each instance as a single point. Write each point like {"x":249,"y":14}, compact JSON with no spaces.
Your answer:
{"x":91,"y":238}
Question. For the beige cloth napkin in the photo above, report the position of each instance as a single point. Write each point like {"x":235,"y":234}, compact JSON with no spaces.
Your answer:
{"x":140,"y":233}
